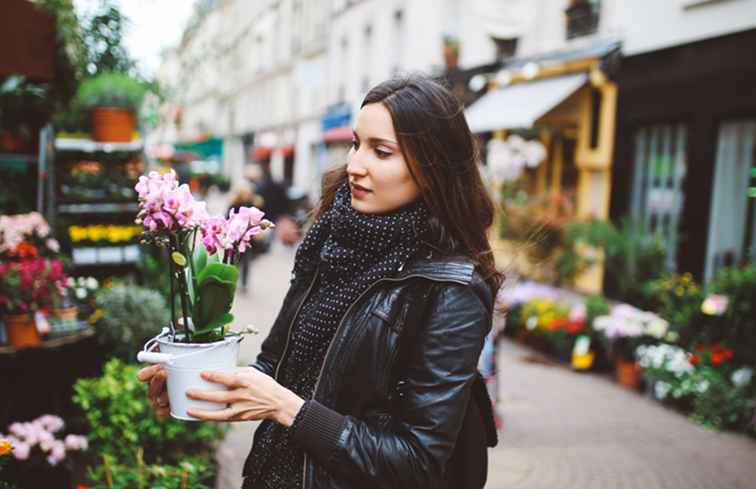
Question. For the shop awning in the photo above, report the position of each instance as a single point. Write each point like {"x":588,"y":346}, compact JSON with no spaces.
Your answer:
{"x":522,"y":104}
{"x":338,"y":134}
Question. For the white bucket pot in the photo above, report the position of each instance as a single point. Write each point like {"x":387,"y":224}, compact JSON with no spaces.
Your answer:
{"x":183,"y":363}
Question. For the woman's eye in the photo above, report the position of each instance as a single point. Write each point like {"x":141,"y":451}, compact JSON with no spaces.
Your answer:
{"x":382,"y":154}
{"x":355,"y":144}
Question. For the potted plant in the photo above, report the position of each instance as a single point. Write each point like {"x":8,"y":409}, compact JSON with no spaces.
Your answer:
{"x":624,"y":329}
{"x":113,"y":100}
{"x":26,"y":288}
{"x":203,"y":280}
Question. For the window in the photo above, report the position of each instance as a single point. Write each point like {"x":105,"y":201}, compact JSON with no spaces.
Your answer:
{"x":733,"y":202}
{"x":659,"y":172}
{"x":582,"y":18}
{"x":505,"y":48}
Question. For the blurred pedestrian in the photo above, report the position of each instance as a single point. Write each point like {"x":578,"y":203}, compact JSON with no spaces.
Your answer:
{"x":245,"y":198}
{"x":274,"y":201}
{"x":368,"y":377}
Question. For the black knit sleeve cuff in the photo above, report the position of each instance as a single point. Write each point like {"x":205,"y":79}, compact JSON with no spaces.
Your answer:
{"x":317,"y":429}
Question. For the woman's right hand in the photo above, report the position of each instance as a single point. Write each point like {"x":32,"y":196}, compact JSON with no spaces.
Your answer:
{"x":155,"y":376}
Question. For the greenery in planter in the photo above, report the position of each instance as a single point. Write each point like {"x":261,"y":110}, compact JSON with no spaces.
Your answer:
{"x":127,"y":318}
{"x":120,"y":419}
{"x":737,"y":324}
{"x":632,"y":257}
{"x":676,"y":298}
{"x":191,"y":473}
{"x":112,"y":89}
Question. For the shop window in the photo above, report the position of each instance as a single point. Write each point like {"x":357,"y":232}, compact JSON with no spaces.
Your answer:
{"x":733,"y":202}
{"x":582,"y":17}
{"x":659,"y":171}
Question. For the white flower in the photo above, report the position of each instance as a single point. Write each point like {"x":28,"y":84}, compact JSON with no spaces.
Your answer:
{"x":81,"y":294}
{"x":742,"y":376}
{"x":531,"y":323}
{"x":92,"y":283}
{"x":661,"y":389}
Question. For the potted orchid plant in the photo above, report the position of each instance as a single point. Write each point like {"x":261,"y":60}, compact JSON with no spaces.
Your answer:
{"x":203,"y":253}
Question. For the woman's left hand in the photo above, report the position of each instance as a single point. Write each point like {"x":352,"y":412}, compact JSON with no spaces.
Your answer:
{"x":252,"y":396}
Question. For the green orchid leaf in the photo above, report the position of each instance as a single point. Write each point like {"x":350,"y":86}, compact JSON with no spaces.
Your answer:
{"x":216,"y":324}
{"x":216,"y":289}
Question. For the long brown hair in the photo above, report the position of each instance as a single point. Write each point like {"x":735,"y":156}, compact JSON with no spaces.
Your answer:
{"x":438,"y":146}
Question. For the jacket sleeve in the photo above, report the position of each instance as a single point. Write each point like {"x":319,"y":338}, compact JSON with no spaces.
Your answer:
{"x":412,"y":450}
{"x":273,"y":345}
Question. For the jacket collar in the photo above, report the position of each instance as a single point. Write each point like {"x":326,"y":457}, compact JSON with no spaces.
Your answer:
{"x":454,"y":269}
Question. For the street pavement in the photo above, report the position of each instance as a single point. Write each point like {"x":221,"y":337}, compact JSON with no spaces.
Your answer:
{"x":561,"y":429}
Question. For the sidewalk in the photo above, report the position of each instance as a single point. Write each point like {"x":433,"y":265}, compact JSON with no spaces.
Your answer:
{"x":561,"y":429}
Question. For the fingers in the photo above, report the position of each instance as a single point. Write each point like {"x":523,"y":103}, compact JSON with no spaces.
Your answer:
{"x":147,"y":373}
{"x":157,"y":385}
{"x":221,"y":397}
{"x":228,"y":414}
{"x":229,"y":380}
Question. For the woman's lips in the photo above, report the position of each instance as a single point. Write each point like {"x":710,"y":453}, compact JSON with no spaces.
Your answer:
{"x":359,"y":191}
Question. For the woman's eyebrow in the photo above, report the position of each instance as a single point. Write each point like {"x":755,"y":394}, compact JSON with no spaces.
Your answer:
{"x":375,"y":140}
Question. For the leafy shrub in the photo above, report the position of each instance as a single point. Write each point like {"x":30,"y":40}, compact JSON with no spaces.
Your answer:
{"x":120,"y":419}
{"x":129,"y":315}
{"x":192,"y":473}
{"x":632,"y":257}
{"x":111,"y":90}
{"x":737,"y":326}
{"x":676,"y":298}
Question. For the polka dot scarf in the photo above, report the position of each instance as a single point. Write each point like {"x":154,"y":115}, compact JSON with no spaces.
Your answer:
{"x":353,"y":250}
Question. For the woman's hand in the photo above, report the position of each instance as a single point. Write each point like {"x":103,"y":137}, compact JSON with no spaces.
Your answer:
{"x":155,"y":375}
{"x":253,"y":396}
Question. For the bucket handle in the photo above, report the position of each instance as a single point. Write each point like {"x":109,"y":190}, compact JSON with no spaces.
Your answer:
{"x":147,"y":355}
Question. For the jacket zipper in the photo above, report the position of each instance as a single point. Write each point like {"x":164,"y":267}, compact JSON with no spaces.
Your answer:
{"x":291,"y":325}
{"x":338,"y":330}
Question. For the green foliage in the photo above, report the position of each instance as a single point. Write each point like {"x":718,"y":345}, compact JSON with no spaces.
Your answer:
{"x":111,"y":89}
{"x":129,"y":316}
{"x":216,"y":286}
{"x":22,"y":101}
{"x":737,"y":327}
{"x":676,"y":298}
{"x":718,"y":404}
{"x":120,"y":419}
{"x":631,"y":256}
{"x":103,"y":36}
{"x":595,"y":305}
{"x":197,"y":471}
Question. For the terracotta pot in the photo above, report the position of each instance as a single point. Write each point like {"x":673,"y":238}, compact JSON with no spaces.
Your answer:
{"x":629,"y":373}
{"x":22,"y":330}
{"x":67,"y":313}
{"x":112,"y":125}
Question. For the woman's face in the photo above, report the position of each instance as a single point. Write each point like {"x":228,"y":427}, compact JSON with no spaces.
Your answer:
{"x":379,"y":177}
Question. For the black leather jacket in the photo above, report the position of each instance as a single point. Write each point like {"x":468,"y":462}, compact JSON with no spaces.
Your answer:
{"x":372,"y":423}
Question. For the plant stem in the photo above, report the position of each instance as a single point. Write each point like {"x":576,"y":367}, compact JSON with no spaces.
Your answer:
{"x":181,"y":277}
{"x":173,"y":295}
{"x":108,"y":476}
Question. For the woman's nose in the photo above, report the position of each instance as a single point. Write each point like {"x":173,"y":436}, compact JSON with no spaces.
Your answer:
{"x":354,"y":167}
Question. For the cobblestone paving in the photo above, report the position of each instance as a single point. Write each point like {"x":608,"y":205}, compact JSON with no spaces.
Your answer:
{"x":561,"y":430}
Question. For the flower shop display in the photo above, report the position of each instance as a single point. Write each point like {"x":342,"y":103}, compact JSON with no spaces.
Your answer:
{"x":203,"y":279}
{"x":42,"y":454}
{"x":193,"y":473}
{"x":704,"y":383}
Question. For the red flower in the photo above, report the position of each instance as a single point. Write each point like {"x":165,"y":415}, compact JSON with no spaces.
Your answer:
{"x":575,"y":327}
{"x":717,"y":358}
{"x":558,"y":323}
{"x":694,"y":360}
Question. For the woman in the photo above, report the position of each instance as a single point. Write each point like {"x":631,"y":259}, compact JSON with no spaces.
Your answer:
{"x":368,"y":376}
